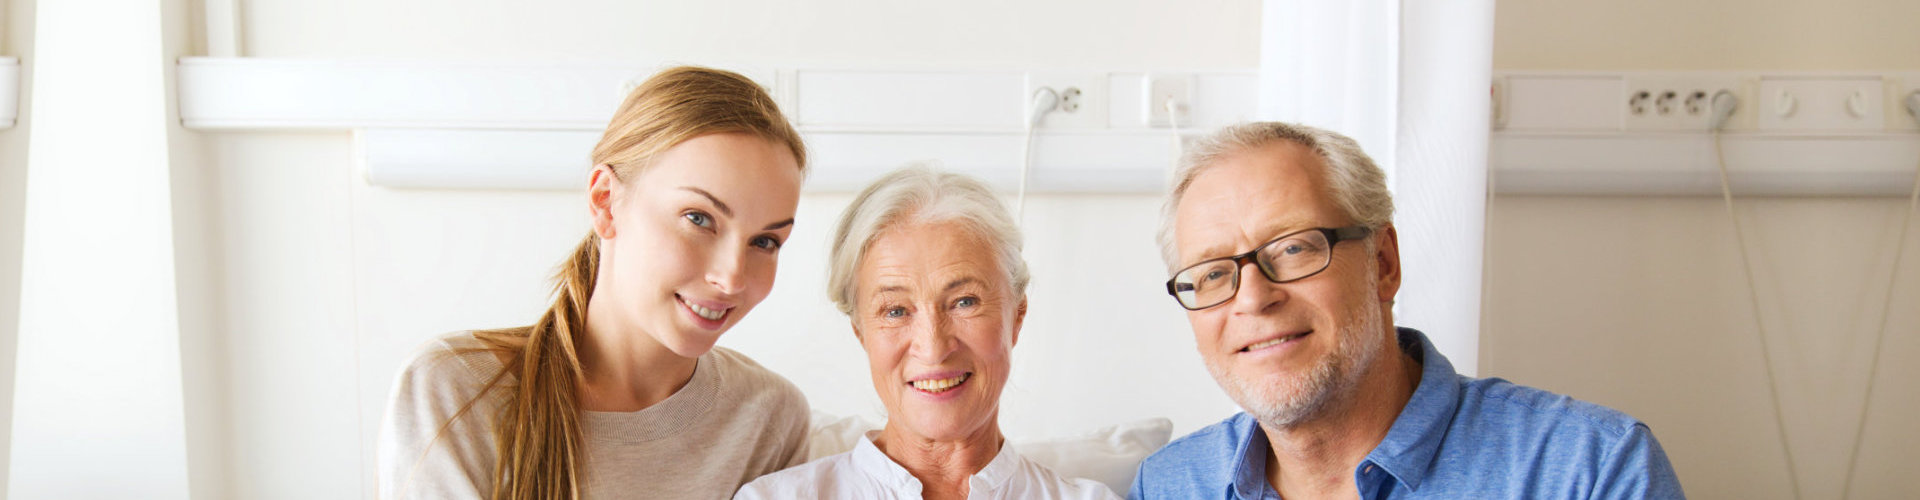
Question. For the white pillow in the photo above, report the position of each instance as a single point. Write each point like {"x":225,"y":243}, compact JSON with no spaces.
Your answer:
{"x":835,"y":435}
{"x":1109,"y":455}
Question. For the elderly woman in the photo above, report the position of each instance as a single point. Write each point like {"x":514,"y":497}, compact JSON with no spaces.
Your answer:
{"x":927,"y":265}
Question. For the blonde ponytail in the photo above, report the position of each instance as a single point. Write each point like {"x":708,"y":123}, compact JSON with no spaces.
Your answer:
{"x":538,"y":433}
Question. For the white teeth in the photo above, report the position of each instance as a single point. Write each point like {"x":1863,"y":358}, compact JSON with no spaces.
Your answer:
{"x":939,"y":385}
{"x":1274,"y":342}
{"x":706,"y":313}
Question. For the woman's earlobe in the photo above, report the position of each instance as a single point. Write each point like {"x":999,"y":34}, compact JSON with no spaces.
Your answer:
{"x":1019,"y":320}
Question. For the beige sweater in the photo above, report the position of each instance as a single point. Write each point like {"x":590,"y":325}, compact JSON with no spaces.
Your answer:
{"x":733,"y":422}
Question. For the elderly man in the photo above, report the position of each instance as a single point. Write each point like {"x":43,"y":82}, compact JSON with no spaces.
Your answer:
{"x":1284,"y":254}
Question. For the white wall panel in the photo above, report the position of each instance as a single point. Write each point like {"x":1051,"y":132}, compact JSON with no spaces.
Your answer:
{"x":908,"y":101}
{"x":1572,"y":103}
{"x":1562,"y":132}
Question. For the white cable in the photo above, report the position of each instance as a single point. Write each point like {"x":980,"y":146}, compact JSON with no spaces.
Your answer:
{"x":1760,"y":329}
{"x":1893,"y":277}
{"x":1043,"y":101}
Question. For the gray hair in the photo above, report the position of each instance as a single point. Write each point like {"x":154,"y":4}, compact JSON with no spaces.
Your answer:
{"x":1357,"y":186}
{"x":919,"y":194}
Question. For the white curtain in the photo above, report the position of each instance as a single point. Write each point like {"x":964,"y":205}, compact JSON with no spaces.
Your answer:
{"x":1410,"y":81}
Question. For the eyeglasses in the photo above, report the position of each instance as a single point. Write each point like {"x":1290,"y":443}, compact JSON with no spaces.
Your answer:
{"x":1292,"y":257}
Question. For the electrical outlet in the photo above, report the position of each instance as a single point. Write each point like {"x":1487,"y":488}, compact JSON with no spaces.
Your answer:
{"x":1169,"y":100}
{"x":1083,"y":99}
{"x":1822,"y":103}
{"x":1681,"y":103}
{"x":1900,"y":86}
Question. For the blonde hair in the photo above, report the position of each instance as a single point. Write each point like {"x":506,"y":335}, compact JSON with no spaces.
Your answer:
{"x":1356,"y":185}
{"x":537,"y":432}
{"x":920,"y":194}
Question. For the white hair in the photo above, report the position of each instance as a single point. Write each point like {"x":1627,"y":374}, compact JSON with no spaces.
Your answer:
{"x":1356,"y":185}
{"x":919,"y":194}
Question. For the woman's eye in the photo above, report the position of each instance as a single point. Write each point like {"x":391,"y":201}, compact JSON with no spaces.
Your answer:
{"x":699,"y":219}
{"x":966,"y":302}
{"x":895,"y":312}
{"x":766,"y":243}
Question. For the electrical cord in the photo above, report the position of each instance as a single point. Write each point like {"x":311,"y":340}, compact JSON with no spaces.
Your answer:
{"x":1873,"y":365}
{"x":1044,"y":100}
{"x":1724,"y":104}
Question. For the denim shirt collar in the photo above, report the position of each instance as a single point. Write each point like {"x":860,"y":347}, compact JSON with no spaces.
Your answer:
{"x":1250,"y":471}
{"x":1408,"y":451}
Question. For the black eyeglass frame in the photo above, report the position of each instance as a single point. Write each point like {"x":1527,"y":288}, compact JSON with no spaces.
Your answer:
{"x":1334,"y":237}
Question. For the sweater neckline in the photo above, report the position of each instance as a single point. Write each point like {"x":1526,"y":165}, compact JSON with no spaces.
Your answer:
{"x":683,"y":409}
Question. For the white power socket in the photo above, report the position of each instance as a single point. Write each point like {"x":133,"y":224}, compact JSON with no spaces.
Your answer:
{"x":1169,"y":100}
{"x":1682,"y":102}
{"x":1898,"y":88}
{"x":1083,"y":99}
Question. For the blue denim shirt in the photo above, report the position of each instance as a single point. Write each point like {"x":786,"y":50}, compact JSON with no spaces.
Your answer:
{"x":1458,"y":437}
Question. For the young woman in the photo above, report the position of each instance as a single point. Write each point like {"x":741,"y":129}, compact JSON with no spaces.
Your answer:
{"x":617,"y":390}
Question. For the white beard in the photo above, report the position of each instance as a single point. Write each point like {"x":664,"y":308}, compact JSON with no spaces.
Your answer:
{"x":1300,"y":399}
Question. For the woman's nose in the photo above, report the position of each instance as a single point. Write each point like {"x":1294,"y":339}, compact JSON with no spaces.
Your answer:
{"x":727,"y":272}
{"x":932,"y":339}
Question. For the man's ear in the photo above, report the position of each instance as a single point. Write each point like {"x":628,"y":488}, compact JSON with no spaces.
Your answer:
{"x":603,"y":188}
{"x":1387,"y":257}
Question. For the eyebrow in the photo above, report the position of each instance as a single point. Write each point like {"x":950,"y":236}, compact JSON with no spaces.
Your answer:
{"x":950,"y":286}
{"x":728,"y":211}
{"x":960,"y":283}
{"x":724,"y":209}
{"x":1272,"y":230}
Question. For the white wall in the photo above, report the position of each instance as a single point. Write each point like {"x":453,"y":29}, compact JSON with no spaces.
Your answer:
{"x":1067,"y":33}
{"x":1835,"y":35}
{"x":1639,"y":302}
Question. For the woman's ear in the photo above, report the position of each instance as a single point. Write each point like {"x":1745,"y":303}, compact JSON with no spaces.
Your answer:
{"x":1019,"y":318}
{"x":603,"y":187}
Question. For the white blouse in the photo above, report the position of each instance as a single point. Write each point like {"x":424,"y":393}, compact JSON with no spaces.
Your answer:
{"x":866,"y":472}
